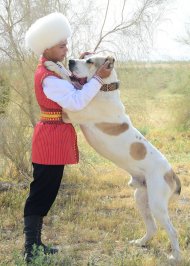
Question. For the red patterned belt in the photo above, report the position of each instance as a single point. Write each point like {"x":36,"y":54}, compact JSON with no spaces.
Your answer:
{"x":51,"y":117}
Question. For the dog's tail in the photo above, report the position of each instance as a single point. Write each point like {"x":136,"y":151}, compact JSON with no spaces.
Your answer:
{"x":178,"y":184}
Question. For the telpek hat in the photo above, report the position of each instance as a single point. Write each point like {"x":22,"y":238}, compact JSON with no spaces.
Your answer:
{"x":46,"y":32}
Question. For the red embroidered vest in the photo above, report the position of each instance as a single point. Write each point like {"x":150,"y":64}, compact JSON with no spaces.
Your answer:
{"x":53,"y":142}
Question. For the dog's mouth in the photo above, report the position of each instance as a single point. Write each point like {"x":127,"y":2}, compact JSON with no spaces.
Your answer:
{"x":75,"y":78}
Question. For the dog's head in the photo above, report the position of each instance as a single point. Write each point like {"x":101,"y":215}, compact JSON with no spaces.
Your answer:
{"x":86,"y":68}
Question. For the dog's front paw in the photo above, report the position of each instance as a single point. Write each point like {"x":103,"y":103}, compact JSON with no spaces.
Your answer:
{"x":54,"y":67}
{"x":175,"y":258}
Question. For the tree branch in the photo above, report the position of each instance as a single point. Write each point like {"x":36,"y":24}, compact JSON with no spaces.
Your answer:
{"x":105,"y":17}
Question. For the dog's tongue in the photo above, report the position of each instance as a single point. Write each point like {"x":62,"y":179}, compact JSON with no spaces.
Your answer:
{"x":81,"y":81}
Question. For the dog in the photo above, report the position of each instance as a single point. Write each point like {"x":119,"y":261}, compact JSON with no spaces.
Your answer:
{"x":109,"y":130}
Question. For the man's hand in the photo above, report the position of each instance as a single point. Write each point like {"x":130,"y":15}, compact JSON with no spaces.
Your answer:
{"x":104,"y":71}
{"x":85,"y":53}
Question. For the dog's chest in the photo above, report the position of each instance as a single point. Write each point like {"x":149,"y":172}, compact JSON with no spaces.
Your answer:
{"x":105,"y":107}
{"x":110,"y":144}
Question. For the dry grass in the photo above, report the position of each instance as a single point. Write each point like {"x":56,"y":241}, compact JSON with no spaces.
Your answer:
{"x":93,"y":219}
{"x":94,"y":216}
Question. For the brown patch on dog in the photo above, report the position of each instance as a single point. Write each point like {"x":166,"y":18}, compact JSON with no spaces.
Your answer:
{"x":173,"y":181}
{"x":113,"y":129}
{"x":111,"y":59}
{"x":138,"y":151}
{"x":169,"y":179}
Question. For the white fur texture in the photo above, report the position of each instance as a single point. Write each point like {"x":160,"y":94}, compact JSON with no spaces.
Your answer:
{"x":47,"y":32}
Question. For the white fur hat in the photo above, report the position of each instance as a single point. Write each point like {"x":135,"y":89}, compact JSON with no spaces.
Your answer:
{"x":47,"y":32}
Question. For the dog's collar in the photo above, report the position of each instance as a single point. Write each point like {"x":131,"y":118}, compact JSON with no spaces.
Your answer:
{"x":110,"y":87}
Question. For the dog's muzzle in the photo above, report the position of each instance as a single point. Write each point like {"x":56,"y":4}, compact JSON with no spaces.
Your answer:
{"x":71,"y":64}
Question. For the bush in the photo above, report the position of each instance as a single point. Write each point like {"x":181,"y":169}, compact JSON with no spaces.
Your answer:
{"x":4,"y":94}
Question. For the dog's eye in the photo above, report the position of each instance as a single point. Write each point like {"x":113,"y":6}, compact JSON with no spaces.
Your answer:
{"x":89,"y":61}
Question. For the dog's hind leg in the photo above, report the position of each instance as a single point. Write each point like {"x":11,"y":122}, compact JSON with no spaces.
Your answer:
{"x":141,"y":198}
{"x":158,"y":195}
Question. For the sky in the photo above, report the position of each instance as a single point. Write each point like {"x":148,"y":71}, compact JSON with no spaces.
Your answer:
{"x":165,"y":44}
{"x":172,"y":27}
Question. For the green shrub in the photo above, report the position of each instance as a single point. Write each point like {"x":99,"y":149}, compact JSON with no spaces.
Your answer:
{"x":4,"y":94}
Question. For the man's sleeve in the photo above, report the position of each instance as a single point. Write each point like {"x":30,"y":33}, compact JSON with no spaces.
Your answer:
{"x":65,"y":94}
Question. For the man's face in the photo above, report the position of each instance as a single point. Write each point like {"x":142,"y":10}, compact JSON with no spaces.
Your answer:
{"x":57,"y":52}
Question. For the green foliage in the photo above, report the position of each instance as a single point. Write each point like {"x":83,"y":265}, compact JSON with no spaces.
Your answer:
{"x":4,"y":94}
{"x":158,"y":89}
{"x":40,"y":259}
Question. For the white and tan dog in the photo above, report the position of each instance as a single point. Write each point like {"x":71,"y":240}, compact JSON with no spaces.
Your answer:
{"x":108,"y":129}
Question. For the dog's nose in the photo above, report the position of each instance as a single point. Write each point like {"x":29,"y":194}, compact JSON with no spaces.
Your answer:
{"x":71,"y":62}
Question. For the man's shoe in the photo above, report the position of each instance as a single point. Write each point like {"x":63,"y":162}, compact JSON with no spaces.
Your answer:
{"x":32,"y":230}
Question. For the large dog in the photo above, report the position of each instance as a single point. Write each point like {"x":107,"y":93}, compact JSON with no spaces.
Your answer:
{"x":108,"y":129}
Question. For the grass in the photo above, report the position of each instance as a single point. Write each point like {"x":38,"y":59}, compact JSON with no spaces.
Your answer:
{"x":94,"y":216}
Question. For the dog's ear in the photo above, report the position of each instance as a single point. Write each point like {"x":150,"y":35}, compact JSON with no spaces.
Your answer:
{"x":111,"y":60}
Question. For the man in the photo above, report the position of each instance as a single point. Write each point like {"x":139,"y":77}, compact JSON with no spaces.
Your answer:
{"x":54,"y":142}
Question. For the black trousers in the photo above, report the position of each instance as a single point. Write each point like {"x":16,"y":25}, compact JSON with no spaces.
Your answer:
{"x":43,"y":189}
